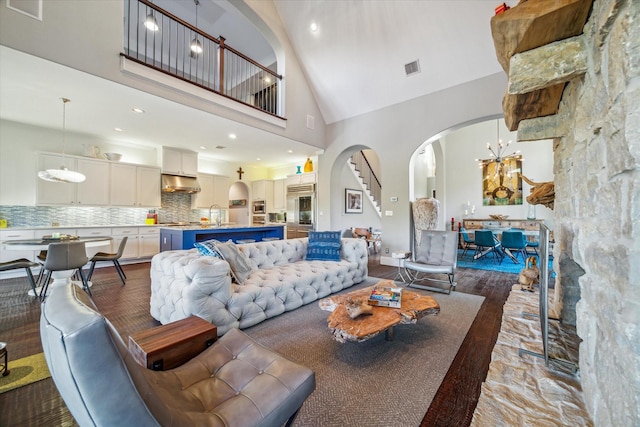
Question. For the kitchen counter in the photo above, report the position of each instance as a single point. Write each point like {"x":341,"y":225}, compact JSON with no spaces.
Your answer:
{"x":183,"y":237}
{"x":79,"y":227}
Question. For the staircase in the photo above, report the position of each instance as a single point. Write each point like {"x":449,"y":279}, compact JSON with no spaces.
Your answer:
{"x":368,"y":179}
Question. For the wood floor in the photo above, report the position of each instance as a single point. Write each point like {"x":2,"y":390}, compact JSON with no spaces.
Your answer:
{"x":127,"y":307}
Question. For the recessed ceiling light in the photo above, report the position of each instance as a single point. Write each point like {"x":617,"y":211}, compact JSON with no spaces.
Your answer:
{"x":258,"y":158}
{"x":232,"y":136}
{"x":202,"y":147}
{"x":313,"y":27}
{"x":137,"y":110}
{"x":290,"y":151}
{"x":117,"y":129}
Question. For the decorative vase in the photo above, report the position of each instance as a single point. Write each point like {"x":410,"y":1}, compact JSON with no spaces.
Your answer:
{"x":308,"y":166}
{"x":299,"y":171}
{"x":532,"y":212}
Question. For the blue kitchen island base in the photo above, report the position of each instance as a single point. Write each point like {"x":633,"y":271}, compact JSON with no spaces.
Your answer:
{"x":176,"y":238}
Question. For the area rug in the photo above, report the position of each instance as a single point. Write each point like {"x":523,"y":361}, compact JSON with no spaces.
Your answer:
{"x":376,"y":382}
{"x":25,"y":371}
{"x":488,"y":263}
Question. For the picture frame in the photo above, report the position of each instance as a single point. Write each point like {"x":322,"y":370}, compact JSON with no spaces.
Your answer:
{"x":502,"y":182}
{"x":352,"y":200}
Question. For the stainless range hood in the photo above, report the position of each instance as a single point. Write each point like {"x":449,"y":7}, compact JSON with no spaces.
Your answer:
{"x":179,"y":184}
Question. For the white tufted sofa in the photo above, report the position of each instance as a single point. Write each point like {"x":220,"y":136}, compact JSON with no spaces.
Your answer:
{"x":185,"y":283}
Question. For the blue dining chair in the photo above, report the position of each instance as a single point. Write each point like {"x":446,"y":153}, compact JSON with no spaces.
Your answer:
{"x":467,"y":242}
{"x":486,"y":243}
{"x":514,"y":242}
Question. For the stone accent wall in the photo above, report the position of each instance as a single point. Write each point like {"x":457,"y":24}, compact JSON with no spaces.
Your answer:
{"x":597,"y":213}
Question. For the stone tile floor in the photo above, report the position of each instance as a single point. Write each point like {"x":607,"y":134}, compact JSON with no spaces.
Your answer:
{"x":522,"y":391}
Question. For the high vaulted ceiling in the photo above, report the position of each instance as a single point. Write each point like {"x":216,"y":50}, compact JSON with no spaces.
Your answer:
{"x":354,"y":63}
{"x":355,"y":60}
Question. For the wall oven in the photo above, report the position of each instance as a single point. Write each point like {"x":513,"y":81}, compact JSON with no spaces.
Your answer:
{"x":259,"y":207}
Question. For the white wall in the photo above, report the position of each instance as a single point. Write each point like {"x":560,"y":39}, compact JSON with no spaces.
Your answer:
{"x":394,"y":133}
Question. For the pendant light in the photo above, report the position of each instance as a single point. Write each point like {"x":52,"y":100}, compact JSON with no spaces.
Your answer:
{"x":196,"y":46}
{"x":63,"y":174}
{"x":150,"y":23}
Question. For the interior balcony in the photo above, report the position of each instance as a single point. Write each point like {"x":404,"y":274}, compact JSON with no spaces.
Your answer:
{"x":159,"y":40}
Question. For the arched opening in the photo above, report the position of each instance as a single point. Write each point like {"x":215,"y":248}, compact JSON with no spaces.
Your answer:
{"x":239,"y":214}
{"x":345,"y":182}
{"x":459,"y":182}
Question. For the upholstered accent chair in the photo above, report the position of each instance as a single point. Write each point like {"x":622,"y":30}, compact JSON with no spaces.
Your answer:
{"x":436,"y":253}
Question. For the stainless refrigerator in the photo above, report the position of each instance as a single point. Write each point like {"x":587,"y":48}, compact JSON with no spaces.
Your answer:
{"x":301,"y":210}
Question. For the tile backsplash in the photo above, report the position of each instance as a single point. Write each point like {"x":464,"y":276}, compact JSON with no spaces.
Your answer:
{"x":176,"y":207}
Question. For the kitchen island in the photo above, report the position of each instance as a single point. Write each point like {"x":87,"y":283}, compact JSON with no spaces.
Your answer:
{"x":183,"y":237}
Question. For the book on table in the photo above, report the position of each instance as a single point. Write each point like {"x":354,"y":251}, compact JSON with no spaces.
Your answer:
{"x":384,"y":296}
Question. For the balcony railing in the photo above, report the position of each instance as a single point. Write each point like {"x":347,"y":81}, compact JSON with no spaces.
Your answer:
{"x":164,"y":42}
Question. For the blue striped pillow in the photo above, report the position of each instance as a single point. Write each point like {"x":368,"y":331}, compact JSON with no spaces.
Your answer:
{"x":207,"y":248}
{"x":324,"y":246}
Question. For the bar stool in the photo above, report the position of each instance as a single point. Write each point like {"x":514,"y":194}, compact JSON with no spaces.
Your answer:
{"x":22,"y":263}
{"x":4,"y":353}
{"x":63,"y":257}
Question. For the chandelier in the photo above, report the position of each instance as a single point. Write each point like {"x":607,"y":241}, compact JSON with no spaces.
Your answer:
{"x":62,"y":174}
{"x":504,"y":166}
{"x":498,"y":155}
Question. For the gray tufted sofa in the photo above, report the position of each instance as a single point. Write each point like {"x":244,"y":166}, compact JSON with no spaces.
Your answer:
{"x":185,"y":283}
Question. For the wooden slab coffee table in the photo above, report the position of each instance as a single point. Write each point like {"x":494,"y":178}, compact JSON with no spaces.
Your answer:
{"x":414,"y":306}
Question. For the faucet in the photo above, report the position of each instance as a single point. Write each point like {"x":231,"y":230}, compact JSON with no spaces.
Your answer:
{"x":219,"y":215}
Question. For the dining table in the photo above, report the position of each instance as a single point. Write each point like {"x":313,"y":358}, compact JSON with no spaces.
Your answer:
{"x":60,"y":278}
{"x":497,"y":232}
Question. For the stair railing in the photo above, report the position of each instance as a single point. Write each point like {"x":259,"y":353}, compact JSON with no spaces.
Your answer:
{"x":213,"y":66}
{"x":369,"y":178}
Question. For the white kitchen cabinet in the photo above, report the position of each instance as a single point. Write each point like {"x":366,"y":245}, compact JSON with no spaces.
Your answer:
{"x":123,"y":185}
{"x":214,"y":189}
{"x":148,"y":241}
{"x":204,"y":198}
{"x":55,"y":193}
{"x":262,"y":190}
{"x":131,"y":248}
{"x":10,"y":255}
{"x":221,"y":191}
{"x":179,"y":162}
{"x":134,"y":186}
{"x":94,"y":191}
{"x":279,"y":195}
{"x":302,"y":178}
{"x":148,"y":187}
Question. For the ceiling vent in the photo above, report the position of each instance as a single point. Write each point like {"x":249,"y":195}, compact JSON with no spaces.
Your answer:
{"x":412,"y":67}
{"x":220,"y":147}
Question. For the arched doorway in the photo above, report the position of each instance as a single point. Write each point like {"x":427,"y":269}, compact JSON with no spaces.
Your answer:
{"x":345,"y":180}
{"x":239,"y":213}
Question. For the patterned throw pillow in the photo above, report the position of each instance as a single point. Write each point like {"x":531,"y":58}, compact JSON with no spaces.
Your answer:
{"x":324,"y":246}
{"x":241,"y":267}
{"x":207,"y":248}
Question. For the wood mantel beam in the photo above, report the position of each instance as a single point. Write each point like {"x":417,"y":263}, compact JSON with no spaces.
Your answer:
{"x":535,"y":23}
{"x":536,"y":85}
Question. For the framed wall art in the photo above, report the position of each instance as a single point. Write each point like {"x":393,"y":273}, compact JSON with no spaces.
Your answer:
{"x":352,"y":201}
{"x":502,"y":182}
